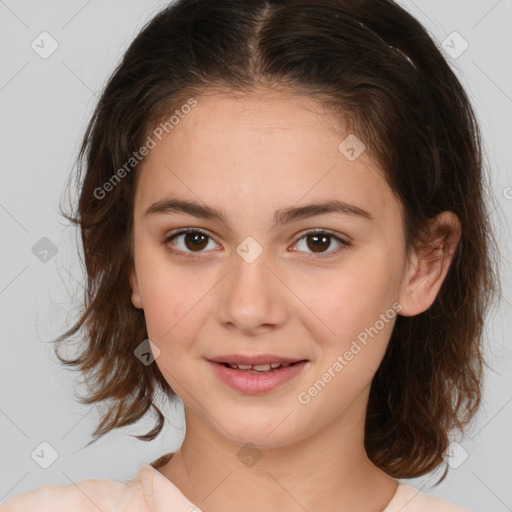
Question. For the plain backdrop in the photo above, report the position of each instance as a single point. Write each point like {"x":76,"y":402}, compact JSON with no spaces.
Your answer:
{"x":46,"y":101}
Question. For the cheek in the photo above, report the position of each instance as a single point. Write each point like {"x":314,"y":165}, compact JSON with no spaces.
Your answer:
{"x":350,"y":335}
{"x":346,"y":301}
{"x":171,"y":313}
{"x":167,"y":292}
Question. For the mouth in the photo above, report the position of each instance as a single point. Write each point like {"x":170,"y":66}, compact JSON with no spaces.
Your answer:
{"x":257,"y":374}
{"x":260,"y":368}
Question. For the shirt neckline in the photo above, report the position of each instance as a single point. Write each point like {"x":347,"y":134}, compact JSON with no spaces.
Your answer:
{"x":152,"y":481}
{"x":151,"y":478}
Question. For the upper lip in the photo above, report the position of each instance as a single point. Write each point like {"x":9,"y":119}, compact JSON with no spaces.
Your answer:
{"x":253,"y":360}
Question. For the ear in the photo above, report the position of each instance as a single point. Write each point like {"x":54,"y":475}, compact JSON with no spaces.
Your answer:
{"x":134,"y":285}
{"x":429,"y":265}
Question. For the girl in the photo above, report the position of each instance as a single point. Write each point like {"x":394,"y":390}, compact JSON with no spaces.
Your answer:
{"x":283,"y":224}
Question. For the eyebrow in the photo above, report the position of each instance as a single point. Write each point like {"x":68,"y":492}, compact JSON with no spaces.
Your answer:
{"x":282,"y":216}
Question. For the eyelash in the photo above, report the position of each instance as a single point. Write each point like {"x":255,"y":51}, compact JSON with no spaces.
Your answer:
{"x":184,"y":254}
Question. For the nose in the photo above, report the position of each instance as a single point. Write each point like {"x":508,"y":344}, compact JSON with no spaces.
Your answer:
{"x":253,"y":298}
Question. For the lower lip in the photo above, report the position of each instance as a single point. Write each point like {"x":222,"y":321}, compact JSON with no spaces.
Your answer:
{"x":254,"y":383}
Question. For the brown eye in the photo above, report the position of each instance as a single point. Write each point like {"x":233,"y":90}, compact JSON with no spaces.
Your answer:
{"x":188,"y":241}
{"x":195,"y":241}
{"x":319,"y":242}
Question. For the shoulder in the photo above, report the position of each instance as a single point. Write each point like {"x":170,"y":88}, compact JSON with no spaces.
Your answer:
{"x":86,"y":495}
{"x":410,"y":499}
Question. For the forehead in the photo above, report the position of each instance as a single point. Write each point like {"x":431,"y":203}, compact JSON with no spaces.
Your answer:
{"x":269,"y":148}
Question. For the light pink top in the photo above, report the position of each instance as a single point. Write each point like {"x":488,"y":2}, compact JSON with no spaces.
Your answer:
{"x":150,"y":491}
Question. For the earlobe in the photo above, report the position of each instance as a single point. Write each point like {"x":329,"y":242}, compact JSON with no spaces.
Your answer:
{"x":429,"y":265}
{"x":134,"y":285}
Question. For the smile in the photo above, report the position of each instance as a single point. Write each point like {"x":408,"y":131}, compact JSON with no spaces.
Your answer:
{"x":258,"y":378}
{"x":257,"y":368}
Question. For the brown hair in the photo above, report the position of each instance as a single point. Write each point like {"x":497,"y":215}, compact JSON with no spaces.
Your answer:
{"x":373,"y":64}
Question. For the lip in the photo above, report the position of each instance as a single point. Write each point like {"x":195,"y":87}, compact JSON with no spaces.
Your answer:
{"x":252,"y":383}
{"x":253,"y":360}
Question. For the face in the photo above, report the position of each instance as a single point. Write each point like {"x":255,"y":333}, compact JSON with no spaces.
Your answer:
{"x":271,"y":276}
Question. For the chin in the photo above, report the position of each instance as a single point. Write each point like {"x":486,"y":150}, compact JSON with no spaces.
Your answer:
{"x":263,"y":432}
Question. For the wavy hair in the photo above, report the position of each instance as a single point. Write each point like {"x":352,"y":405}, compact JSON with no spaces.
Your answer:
{"x":375,"y":67}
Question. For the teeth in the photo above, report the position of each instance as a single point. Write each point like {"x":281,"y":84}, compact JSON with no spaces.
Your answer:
{"x":261,"y":367}
{"x":258,"y":367}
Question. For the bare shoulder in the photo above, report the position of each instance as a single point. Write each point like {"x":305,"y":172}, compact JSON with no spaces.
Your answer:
{"x":410,"y":499}
{"x":85,"y":495}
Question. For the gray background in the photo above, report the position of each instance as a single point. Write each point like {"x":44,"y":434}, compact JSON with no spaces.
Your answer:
{"x":45,"y":105}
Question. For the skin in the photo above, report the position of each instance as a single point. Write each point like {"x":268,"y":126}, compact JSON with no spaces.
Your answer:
{"x":250,"y":156}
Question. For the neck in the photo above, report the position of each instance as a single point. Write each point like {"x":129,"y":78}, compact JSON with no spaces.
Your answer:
{"x":329,"y":471}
